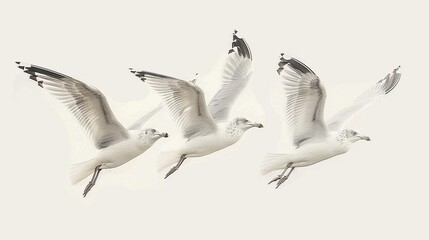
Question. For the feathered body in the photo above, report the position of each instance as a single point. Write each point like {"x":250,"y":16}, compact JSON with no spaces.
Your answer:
{"x":116,"y":145}
{"x":314,"y":139}
{"x":223,"y":137}
{"x":114,"y":155}
{"x":310,"y":153}
{"x":200,"y":123}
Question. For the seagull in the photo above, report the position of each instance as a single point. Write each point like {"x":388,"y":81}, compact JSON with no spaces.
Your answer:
{"x":116,"y":144}
{"x":316,"y":140}
{"x":201,"y":124}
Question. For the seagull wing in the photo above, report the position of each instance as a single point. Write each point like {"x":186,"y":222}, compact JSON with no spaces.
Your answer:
{"x":305,"y":100}
{"x":86,"y":103}
{"x":185,"y":102}
{"x":236,"y":73}
{"x":368,"y":97}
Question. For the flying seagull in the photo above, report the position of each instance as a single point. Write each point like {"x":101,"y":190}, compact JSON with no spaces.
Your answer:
{"x":316,"y":140}
{"x":116,"y":144}
{"x":201,"y":124}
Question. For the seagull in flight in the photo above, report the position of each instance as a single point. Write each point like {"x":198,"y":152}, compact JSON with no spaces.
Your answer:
{"x":199,"y":123}
{"x":316,"y":140}
{"x":116,"y":144}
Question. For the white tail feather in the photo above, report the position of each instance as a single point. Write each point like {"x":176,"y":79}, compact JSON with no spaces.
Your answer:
{"x":80,"y":171}
{"x":276,"y":161}
{"x":168,"y":158}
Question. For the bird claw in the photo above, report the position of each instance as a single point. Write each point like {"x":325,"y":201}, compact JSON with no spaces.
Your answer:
{"x":88,"y":188}
{"x":93,"y":180}
{"x":172,"y":170}
{"x":281,"y":181}
{"x":275,"y":179}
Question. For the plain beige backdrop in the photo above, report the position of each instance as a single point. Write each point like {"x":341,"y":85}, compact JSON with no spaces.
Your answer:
{"x":379,"y":190}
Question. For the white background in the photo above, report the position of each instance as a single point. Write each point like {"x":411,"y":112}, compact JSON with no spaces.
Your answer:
{"x":378,"y":190}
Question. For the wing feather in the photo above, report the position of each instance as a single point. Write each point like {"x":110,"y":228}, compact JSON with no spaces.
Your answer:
{"x":380,"y":89}
{"x":185,"y":102}
{"x":305,"y":100}
{"x":87,"y":104}
{"x":235,"y":76}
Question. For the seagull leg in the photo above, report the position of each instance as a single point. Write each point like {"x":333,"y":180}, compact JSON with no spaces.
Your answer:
{"x":93,"y":180}
{"x":283,"y":179}
{"x":173,"y":169}
{"x":281,"y":175}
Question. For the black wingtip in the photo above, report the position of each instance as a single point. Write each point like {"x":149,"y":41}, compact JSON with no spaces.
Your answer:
{"x":234,"y":35}
{"x":241,"y":45}
{"x":139,"y":74}
{"x":397,"y":69}
{"x":143,"y":75}
{"x":133,"y":71}
{"x":293,"y":63}
{"x":20,"y":66}
{"x":33,"y":77}
{"x":33,"y":69}
{"x":282,"y":63}
{"x":393,"y":78}
{"x":29,"y":72}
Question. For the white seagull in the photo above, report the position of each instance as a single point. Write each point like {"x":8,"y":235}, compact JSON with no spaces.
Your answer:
{"x":314,"y":139}
{"x":116,"y":144}
{"x":198,"y":122}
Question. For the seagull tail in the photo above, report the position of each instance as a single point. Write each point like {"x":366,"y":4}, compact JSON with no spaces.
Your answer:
{"x":80,"y":171}
{"x":167,"y":158}
{"x":276,"y":161}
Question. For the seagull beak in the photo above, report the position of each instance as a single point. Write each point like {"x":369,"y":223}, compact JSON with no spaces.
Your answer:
{"x":366,"y":138}
{"x":258,"y":125}
{"x":163,"y":135}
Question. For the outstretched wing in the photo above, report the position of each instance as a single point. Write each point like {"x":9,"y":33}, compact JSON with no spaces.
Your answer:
{"x":368,"y":97}
{"x":86,"y":103}
{"x":185,"y":102}
{"x":236,"y":74}
{"x":305,"y":100}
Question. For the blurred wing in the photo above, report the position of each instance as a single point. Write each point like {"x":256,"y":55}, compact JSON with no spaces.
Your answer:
{"x":86,"y":103}
{"x":185,"y":102}
{"x":140,"y":123}
{"x":305,"y":100}
{"x":368,"y":97}
{"x":235,"y":74}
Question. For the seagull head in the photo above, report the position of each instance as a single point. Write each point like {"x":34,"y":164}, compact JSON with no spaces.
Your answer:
{"x":244,"y":124}
{"x":152,"y":134}
{"x":353,"y":136}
